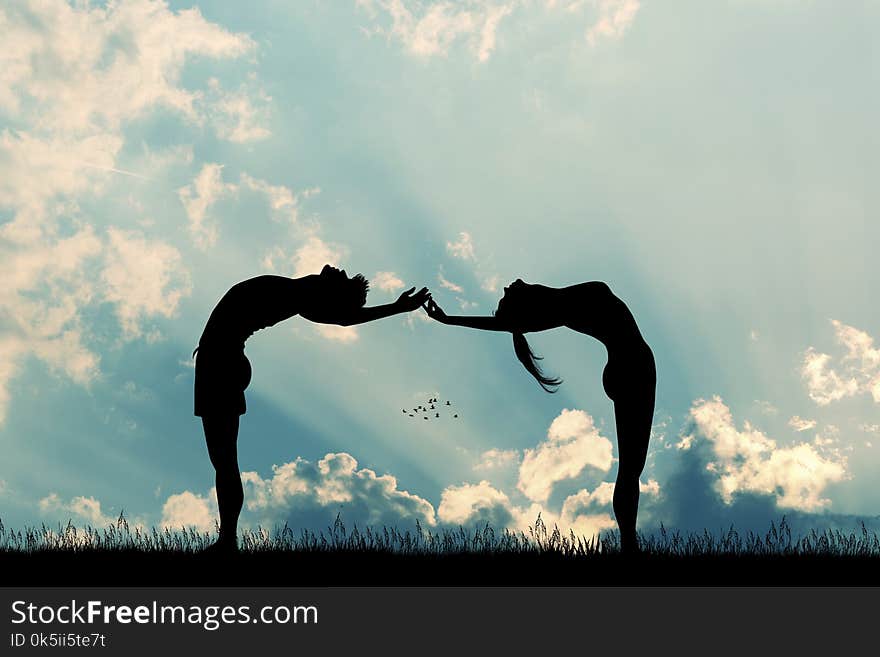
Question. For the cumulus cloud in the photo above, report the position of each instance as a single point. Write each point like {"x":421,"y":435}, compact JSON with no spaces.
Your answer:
{"x":188,"y":509}
{"x":80,"y":508}
{"x":462,"y":248}
{"x":586,"y":513}
{"x":85,"y":68}
{"x":613,"y":20}
{"x":387,"y":281}
{"x":471,"y":504}
{"x":799,"y":424}
{"x":856,"y":372}
{"x":429,"y":29}
{"x":72,"y":77}
{"x":493,"y":459}
{"x":573,"y":443}
{"x":239,"y":116}
{"x":449,"y":285}
{"x":143,"y":278}
{"x":311,"y":494}
{"x":311,"y":257}
{"x":197,"y":199}
{"x":747,"y":461}
{"x":344,"y":334}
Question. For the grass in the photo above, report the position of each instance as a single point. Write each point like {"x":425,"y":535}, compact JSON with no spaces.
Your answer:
{"x":121,"y":554}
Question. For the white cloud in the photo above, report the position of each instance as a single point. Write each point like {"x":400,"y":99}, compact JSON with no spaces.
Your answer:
{"x":470,"y":504}
{"x":239,"y":116}
{"x":282,"y":201}
{"x":188,"y":509}
{"x":449,"y":285}
{"x":463,"y":248}
{"x":300,"y":489}
{"x":143,"y":278}
{"x":801,"y":424}
{"x":750,"y":462}
{"x":497,"y":458}
{"x":573,"y":443}
{"x":614,"y":19}
{"x":387,"y":281}
{"x":86,"y":509}
{"x":198,"y":197}
{"x":766,"y":407}
{"x":344,"y":334}
{"x":856,"y":372}
{"x":491,"y":283}
{"x":87,"y":69}
{"x":72,"y":77}
{"x":311,"y":257}
{"x":427,"y":29}
{"x":585,"y":513}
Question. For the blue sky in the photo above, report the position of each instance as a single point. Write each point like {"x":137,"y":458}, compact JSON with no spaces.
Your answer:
{"x":711,"y":161}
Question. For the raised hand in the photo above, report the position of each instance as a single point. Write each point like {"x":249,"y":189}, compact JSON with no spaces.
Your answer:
{"x":409,"y":301}
{"x":434,"y":311}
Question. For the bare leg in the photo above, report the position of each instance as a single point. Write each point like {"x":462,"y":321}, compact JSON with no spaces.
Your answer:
{"x":221,"y":435}
{"x":633,"y":420}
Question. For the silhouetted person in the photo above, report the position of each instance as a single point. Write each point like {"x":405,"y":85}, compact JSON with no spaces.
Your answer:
{"x":629,"y":377}
{"x":223,"y":372}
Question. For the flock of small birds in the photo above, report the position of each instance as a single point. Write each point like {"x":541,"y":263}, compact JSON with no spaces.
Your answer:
{"x":431,"y":411}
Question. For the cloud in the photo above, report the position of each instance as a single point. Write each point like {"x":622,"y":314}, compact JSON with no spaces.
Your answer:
{"x":282,"y":200}
{"x":238,"y":116}
{"x":463,"y":248}
{"x":86,"y":509}
{"x":198,"y":197}
{"x":471,"y":504}
{"x":387,"y":281}
{"x":449,"y":285}
{"x":747,"y":461}
{"x":613,"y":20}
{"x":573,"y":443}
{"x":491,"y":283}
{"x":187,"y":509}
{"x":497,"y":458}
{"x":209,"y":188}
{"x":311,"y":257}
{"x":344,"y":334}
{"x":143,"y":278}
{"x":586,"y":513}
{"x":88,"y":69}
{"x":430,"y":29}
{"x":856,"y":372}
{"x":307,"y":494}
{"x":73,"y":76}
{"x":800,"y":424}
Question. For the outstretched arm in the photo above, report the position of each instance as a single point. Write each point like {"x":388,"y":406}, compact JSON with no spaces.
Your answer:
{"x":485,"y":323}
{"x":407,"y":302}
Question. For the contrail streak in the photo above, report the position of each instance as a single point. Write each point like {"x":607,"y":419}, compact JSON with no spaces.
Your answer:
{"x":113,"y":170}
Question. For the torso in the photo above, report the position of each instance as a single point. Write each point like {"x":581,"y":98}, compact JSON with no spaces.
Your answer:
{"x":595,"y":311}
{"x":248,"y":307}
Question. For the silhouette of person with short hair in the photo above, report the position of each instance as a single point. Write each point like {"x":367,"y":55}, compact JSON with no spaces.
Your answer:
{"x":629,"y":378}
{"x":223,"y":372}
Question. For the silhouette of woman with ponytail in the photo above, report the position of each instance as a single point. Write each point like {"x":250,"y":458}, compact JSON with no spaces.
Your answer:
{"x":629,"y":378}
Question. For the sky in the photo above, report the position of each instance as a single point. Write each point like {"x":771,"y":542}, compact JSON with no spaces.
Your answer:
{"x":712,"y":162}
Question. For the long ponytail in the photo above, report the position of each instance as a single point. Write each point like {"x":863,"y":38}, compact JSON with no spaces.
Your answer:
{"x":528,"y":358}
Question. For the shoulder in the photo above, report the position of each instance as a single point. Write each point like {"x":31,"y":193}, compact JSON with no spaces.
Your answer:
{"x":592,"y":288}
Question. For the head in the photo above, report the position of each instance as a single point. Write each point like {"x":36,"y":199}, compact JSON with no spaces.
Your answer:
{"x":519,"y":307}
{"x":340,"y":290}
{"x":520,"y":301}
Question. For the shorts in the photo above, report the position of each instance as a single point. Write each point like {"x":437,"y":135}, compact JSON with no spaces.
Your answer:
{"x":222,"y":374}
